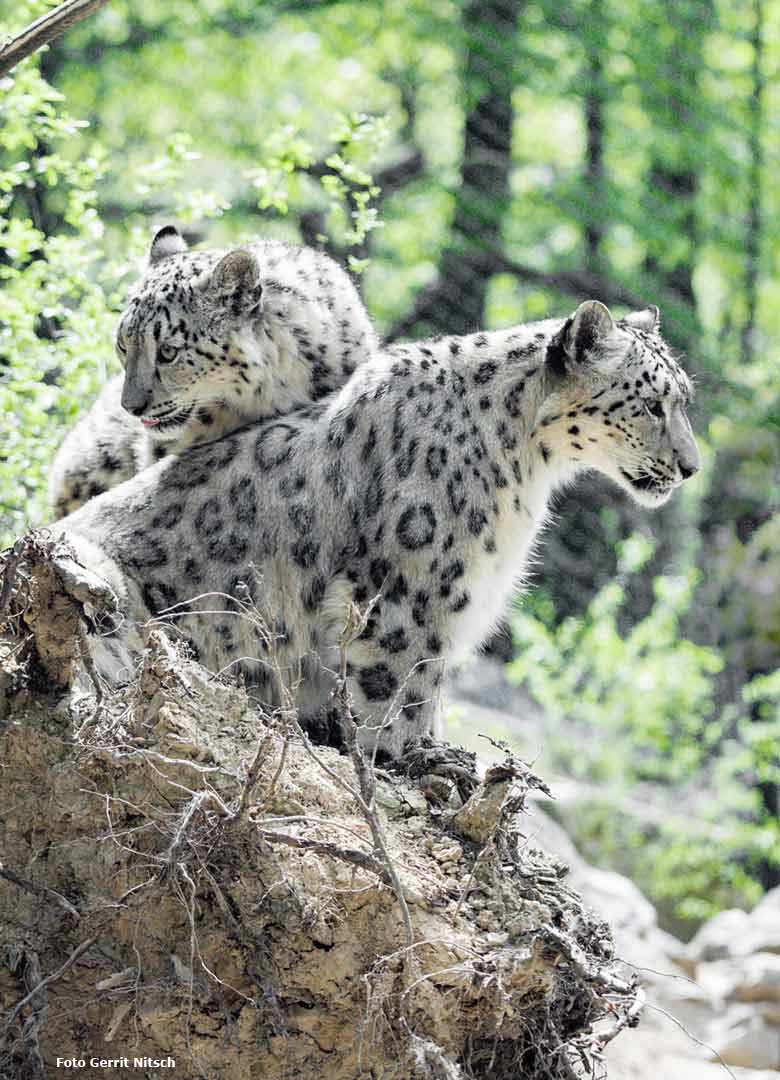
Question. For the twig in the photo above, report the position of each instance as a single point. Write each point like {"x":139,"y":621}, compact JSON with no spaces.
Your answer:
{"x":579,"y":961}
{"x":662,"y":974}
{"x":351,"y":855}
{"x":461,"y":968}
{"x":364,"y":770}
{"x":133,"y":888}
{"x":275,"y":778}
{"x":254,"y":773}
{"x":628,"y":1018}
{"x":337,"y":779}
{"x":692,"y":1037}
{"x":44,"y":30}
{"x":12,"y":560}
{"x":39,"y":890}
{"x":55,"y":975}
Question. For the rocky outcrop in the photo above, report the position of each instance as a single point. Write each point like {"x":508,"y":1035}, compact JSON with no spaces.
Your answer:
{"x":735,"y":960}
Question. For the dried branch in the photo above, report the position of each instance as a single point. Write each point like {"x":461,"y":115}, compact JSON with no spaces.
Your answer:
{"x":10,"y":563}
{"x":253,"y":775}
{"x":628,"y":1018}
{"x":364,"y":769}
{"x":45,"y":29}
{"x":41,"y":986}
{"x":322,"y":847}
{"x":39,"y":890}
{"x":582,"y":965}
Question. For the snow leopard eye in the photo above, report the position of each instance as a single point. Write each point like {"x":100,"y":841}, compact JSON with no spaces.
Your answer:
{"x":167,"y":354}
{"x":121,"y":348}
{"x":654,"y":409}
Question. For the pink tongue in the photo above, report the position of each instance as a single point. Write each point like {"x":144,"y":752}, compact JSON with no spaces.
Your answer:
{"x":150,"y":423}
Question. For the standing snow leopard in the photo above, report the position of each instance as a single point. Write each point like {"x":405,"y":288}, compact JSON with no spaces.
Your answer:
{"x":210,"y":341}
{"x":417,"y":490}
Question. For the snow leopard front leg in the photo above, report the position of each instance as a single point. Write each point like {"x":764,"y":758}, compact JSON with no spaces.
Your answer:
{"x":395,"y":690}
{"x":395,"y":673}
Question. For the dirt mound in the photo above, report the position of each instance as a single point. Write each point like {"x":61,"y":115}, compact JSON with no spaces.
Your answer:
{"x":187,"y":879}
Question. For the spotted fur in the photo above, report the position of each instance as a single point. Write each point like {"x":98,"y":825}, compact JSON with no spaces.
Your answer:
{"x":415,"y":492}
{"x":211,"y":341}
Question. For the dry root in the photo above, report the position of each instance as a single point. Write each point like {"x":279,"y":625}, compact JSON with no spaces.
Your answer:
{"x":47,"y":602}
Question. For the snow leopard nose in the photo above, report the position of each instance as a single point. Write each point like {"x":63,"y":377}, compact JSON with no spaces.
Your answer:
{"x":135,"y":399}
{"x":684,"y":444}
{"x":136,"y":389}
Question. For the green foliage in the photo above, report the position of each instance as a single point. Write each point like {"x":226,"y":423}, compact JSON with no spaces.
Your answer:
{"x":648,"y":688}
{"x":756,"y":761}
{"x":347,"y":184}
{"x":57,"y":291}
{"x":691,"y":865}
{"x":695,"y":869}
{"x":641,"y":708}
{"x":66,"y":270}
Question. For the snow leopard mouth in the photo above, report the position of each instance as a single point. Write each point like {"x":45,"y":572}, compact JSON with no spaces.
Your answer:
{"x":648,"y":485}
{"x":164,"y":424}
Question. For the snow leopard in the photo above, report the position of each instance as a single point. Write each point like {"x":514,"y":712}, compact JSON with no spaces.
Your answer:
{"x":415,"y":493}
{"x":212,"y":340}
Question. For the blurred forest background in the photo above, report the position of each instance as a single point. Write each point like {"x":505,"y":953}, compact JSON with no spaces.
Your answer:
{"x":475,"y":163}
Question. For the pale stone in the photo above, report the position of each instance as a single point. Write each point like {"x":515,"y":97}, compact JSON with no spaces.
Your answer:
{"x":770,"y":1010}
{"x":744,"y":978}
{"x":749,"y":1042}
{"x":768,"y":906}
{"x":757,"y":932}
{"x":721,"y":978}
{"x":719,"y":938}
{"x":687,"y":1002}
{"x":760,"y":978}
{"x":763,"y":934}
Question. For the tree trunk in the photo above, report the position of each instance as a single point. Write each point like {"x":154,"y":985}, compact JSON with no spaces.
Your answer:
{"x":594,"y":128}
{"x":455,"y":303}
{"x":670,"y":75}
{"x":754,"y":222}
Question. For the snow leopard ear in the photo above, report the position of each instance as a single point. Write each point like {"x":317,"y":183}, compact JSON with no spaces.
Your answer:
{"x":590,"y":327}
{"x":167,"y":241}
{"x":649,"y":319}
{"x":236,"y":281}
